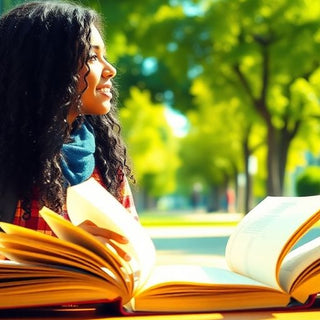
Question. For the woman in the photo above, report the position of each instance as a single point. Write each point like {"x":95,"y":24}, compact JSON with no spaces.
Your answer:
{"x":57,"y":103}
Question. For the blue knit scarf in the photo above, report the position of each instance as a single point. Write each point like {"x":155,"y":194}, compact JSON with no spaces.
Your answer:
{"x":78,"y":156}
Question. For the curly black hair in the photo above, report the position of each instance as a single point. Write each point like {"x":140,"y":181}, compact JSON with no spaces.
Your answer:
{"x":43,"y":45}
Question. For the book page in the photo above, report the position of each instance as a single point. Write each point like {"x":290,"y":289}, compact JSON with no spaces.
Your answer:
{"x":266,"y":233}
{"x":175,"y":277}
{"x":90,"y":201}
{"x":188,"y":288}
{"x":300,"y":264}
{"x":45,"y":243}
{"x":65,"y":230}
{"x":36,"y":252}
{"x":29,"y":246}
{"x":26,"y":285}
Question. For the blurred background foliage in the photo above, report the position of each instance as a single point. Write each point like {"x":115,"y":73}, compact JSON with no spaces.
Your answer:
{"x":219,"y":99}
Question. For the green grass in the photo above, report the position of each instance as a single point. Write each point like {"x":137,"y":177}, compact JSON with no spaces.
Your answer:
{"x":177,"y":220}
{"x":155,"y":219}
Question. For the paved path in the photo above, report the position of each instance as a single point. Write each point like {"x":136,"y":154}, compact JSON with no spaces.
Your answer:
{"x":191,"y":245}
{"x":198,"y":245}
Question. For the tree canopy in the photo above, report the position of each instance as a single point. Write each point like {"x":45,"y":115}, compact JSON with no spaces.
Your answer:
{"x":245,"y":73}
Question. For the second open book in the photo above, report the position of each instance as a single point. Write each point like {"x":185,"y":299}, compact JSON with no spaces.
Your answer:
{"x":75,"y":267}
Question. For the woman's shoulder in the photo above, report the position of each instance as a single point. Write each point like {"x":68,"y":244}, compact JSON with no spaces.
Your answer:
{"x":30,"y":218}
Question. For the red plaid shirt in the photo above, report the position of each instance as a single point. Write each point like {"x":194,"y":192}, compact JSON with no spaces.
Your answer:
{"x":36,"y":222}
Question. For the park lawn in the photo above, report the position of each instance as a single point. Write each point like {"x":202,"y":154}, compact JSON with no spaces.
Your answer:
{"x":154,"y":219}
{"x":185,"y":220}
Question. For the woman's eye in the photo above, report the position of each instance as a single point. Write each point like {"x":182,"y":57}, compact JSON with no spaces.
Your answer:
{"x":93,"y":57}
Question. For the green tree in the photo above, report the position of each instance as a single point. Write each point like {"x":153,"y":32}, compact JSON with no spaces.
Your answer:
{"x":308,"y":182}
{"x":223,"y":140}
{"x":265,"y":52}
{"x":6,"y":5}
{"x":152,"y":145}
{"x":262,"y":52}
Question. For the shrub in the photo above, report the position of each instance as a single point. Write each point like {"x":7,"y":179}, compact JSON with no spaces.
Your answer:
{"x":308,"y":182}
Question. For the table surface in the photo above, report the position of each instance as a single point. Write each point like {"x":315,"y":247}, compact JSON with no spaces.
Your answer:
{"x":91,"y":314}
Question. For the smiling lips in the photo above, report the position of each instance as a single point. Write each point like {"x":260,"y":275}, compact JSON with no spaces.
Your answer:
{"x":106,"y":91}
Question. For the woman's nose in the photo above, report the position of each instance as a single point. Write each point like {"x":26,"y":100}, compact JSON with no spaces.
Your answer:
{"x":109,"y":71}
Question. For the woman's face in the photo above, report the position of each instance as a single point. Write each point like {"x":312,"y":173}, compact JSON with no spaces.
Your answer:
{"x":96,"y":99}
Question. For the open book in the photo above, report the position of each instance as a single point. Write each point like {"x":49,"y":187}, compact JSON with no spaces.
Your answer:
{"x":75,"y":268}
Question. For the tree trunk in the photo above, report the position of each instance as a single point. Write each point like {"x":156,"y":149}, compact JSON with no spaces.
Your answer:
{"x":236,"y":187}
{"x":248,"y":180}
{"x":273,"y":179}
{"x":283,"y":155}
{"x":278,"y":147}
{"x":285,"y":141}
